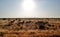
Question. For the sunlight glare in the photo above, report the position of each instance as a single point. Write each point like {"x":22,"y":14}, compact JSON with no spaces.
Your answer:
{"x":28,"y":8}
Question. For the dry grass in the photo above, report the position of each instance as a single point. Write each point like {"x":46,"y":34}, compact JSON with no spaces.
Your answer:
{"x":29,"y":30}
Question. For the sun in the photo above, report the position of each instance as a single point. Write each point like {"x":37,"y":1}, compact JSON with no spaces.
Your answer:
{"x":28,"y":7}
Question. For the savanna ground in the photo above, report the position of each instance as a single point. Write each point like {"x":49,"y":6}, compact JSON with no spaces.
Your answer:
{"x":29,"y":27}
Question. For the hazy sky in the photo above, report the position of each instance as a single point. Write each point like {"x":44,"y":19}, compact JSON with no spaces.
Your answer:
{"x":29,"y":8}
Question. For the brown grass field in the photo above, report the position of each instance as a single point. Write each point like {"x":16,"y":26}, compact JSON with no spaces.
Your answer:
{"x":29,"y":27}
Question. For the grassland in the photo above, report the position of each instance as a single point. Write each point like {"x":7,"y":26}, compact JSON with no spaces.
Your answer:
{"x":29,"y":27}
